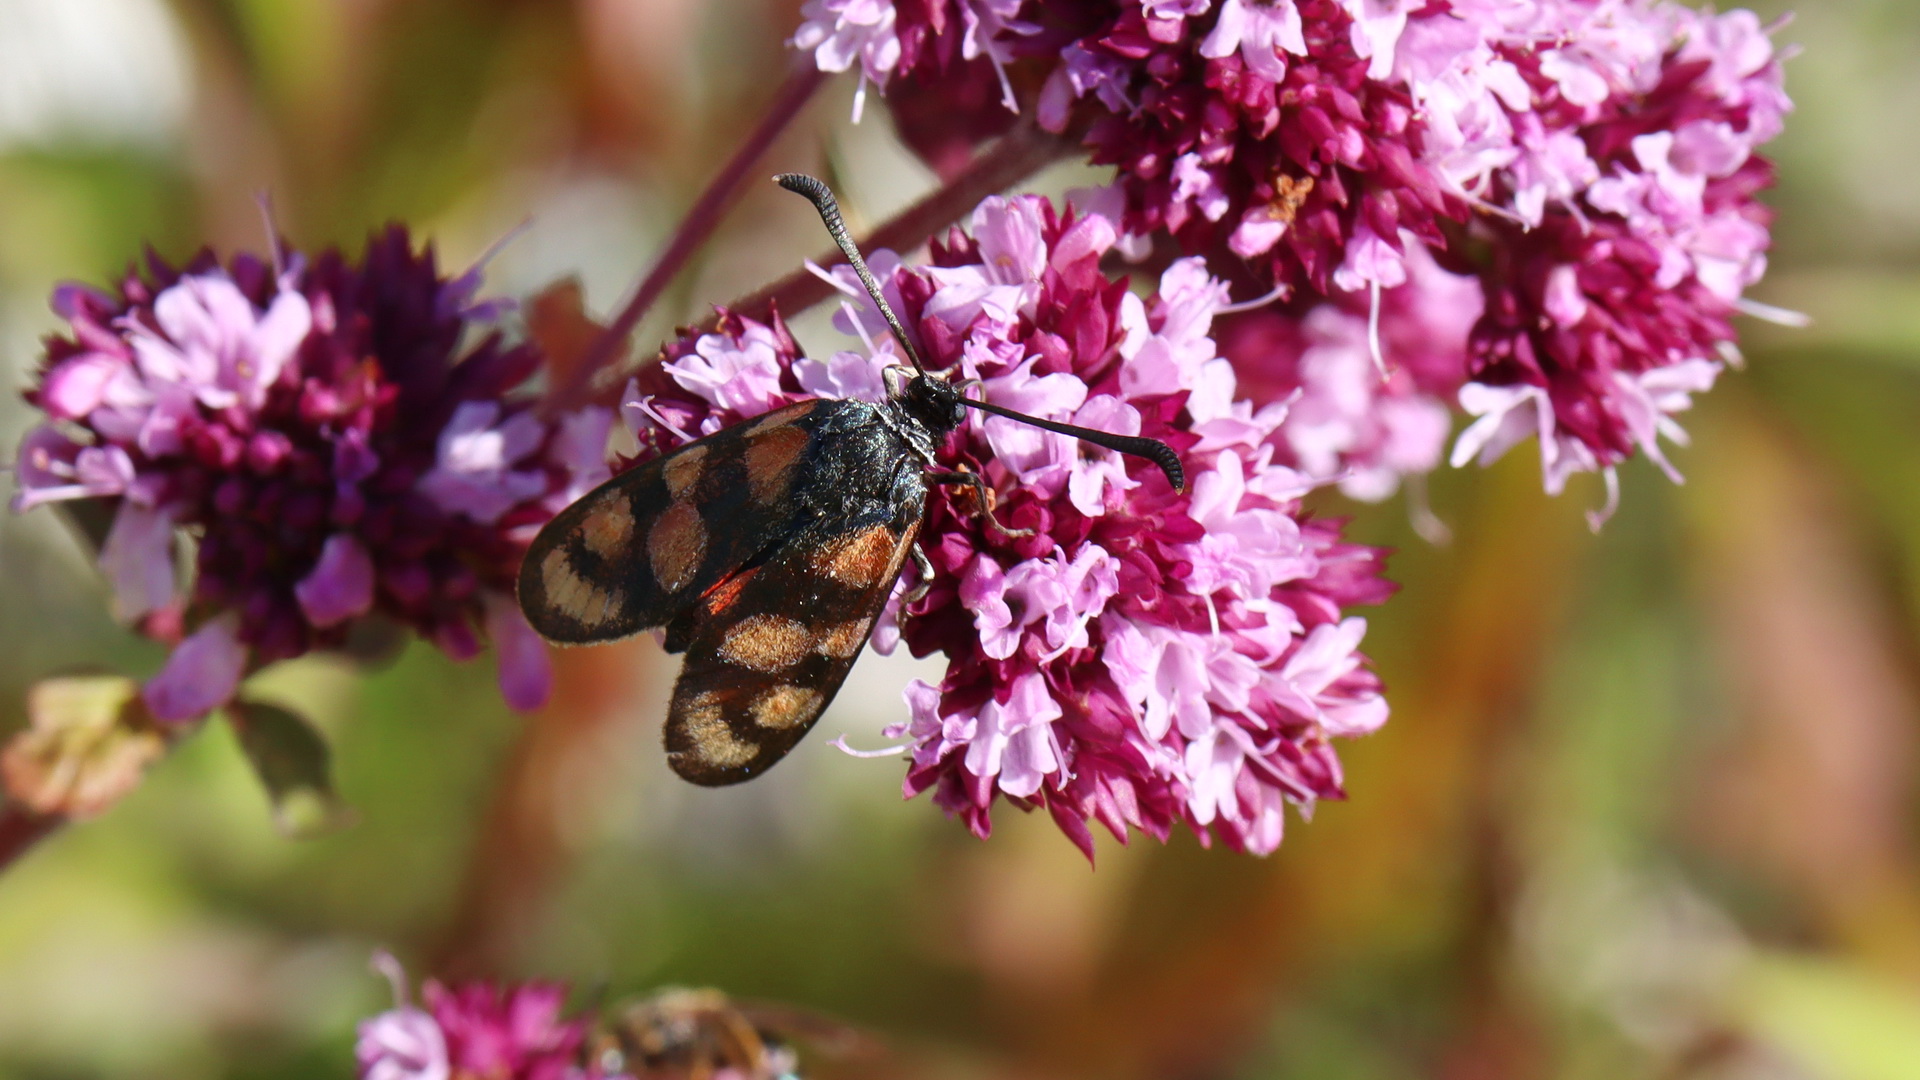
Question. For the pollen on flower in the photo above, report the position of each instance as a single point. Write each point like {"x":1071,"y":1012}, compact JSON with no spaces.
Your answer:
{"x":1289,"y":195}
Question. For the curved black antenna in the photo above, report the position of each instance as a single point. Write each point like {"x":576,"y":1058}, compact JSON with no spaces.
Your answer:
{"x":821,"y":196}
{"x":1132,"y":445}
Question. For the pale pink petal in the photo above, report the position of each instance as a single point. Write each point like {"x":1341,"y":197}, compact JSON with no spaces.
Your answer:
{"x":1256,"y":234}
{"x":78,"y":386}
{"x":1564,"y":300}
{"x":402,"y":1044}
{"x":52,"y":467}
{"x":278,"y":336}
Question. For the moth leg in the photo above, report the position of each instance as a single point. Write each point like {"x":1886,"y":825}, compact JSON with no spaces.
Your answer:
{"x":949,"y":478}
{"x":923,"y":568}
{"x":895,"y":378}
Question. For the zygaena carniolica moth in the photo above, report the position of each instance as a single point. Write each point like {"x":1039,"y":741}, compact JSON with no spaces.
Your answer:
{"x":766,"y":549}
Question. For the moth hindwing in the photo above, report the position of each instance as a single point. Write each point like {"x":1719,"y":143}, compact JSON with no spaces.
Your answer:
{"x":765,"y":550}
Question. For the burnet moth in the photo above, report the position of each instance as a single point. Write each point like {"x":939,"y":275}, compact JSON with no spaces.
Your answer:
{"x":767,"y":549}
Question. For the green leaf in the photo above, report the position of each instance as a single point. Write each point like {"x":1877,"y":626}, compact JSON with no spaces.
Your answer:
{"x":90,"y":519}
{"x":375,"y":642}
{"x":293,"y":763}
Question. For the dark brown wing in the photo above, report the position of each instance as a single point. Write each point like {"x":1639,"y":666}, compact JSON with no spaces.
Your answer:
{"x":769,"y":648}
{"x":644,"y":546}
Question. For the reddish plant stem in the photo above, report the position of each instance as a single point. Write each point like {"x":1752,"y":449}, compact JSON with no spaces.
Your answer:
{"x":698,"y":224}
{"x":20,"y":829}
{"x":557,"y":770}
{"x":1019,"y":154}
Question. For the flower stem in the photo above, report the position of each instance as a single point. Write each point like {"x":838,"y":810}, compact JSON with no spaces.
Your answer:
{"x":529,"y":841}
{"x":701,"y":219}
{"x":20,"y":829}
{"x":1019,"y":154}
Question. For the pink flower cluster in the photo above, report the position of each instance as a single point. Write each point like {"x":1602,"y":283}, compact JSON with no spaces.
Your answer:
{"x":928,"y":36}
{"x":1141,"y":658}
{"x":1631,"y":230}
{"x":473,"y":1031}
{"x":1593,"y":162}
{"x":327,"y":439}
{"x":1346,"y":423}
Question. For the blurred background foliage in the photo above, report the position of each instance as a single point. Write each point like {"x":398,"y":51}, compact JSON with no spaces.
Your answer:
{"x":1647,"y":806}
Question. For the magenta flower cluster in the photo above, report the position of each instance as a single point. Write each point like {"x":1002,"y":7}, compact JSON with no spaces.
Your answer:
{"x":328,"y":439}
{"x":473,"y":1031}
{"x":1127,"y":655}
{"x":1593,"y":163}
{"x":941,"y":36}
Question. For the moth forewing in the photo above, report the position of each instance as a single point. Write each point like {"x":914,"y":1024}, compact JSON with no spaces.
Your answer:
{"x":766,"y":550}
{"x":635,"y":551}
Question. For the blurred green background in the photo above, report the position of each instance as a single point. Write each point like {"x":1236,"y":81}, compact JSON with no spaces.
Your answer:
{"x":1646,"y":808}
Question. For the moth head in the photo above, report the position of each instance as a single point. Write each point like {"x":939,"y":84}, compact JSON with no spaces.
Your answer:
{"x":934,"y":402}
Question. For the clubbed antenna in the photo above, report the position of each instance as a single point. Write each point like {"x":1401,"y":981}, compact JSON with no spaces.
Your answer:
{"x":1132,"y":445}
{"x":821,"y":196}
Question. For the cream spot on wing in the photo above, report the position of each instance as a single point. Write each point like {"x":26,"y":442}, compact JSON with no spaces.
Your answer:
{"x":675,"y":546}
{"x":714,"y":743}
{"x":844,"y":640}
{"x":770,"y":460}
{"x":784,"y":707}
{"x":608,"y":527}
{"x":861,"y":560}
{"x":682,"y":470}
{"x":574,"y":596}
{"x":766,"y":643}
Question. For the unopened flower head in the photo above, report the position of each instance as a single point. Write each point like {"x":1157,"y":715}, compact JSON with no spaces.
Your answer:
{"x":1128,"y":654}
{"x":324,"y":432}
